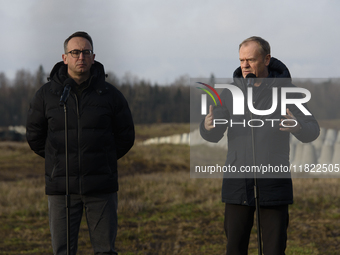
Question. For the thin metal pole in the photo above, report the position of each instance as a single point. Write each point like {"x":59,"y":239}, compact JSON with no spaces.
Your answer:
{"x":67,"y":197}
{"x":257,"y":200}
{"x":258,"y":224}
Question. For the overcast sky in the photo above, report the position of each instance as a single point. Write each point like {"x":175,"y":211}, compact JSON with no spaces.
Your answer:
{"x":160,"y":40}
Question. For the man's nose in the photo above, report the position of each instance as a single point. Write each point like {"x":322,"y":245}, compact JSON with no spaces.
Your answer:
{"x":244,"y":63}
{"x":81,"y":55}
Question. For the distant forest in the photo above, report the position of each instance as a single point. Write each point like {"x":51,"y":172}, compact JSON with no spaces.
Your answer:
{"x":149,"y":103}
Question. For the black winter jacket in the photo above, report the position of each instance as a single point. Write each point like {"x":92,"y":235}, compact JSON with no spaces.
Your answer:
{"x":271,"y":146}
{"x":100,"y":131}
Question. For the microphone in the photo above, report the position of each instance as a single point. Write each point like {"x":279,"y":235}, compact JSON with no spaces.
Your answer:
{"x":66,"y":93}
{"x":250,"y":79}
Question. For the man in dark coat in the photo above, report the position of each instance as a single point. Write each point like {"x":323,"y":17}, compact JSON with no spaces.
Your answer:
{"x":258,"y":140}
{"x":100,"y":131}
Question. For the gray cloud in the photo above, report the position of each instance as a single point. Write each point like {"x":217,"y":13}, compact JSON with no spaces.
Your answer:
{"x":161,"y":40}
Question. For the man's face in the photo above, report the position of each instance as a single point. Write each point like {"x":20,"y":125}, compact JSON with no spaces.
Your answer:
{"x":252,"y":61}
{"x":81,"y":65}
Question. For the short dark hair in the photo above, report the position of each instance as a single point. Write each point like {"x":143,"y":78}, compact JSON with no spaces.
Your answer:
{"x":264,"y":45}
{"x":78,"y":34}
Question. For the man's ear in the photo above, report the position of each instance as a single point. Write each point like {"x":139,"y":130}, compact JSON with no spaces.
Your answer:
{"x":64,"y":56}
{"x":267,"y":59}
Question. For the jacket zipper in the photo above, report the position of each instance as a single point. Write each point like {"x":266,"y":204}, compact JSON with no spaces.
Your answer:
{"x":79,"y":157}
{"x":52,"y":174}
{"x":79,"y":130}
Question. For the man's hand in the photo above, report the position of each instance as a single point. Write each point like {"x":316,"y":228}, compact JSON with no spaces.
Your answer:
{"x":291,"y":124}
{"x":208,"y":122}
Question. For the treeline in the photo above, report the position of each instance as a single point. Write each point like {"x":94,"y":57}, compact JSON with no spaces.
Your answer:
{"x":155,"y":103}
{"x":325,"y":97}
{"x":15,"y":96}
{"x":149,"y":103}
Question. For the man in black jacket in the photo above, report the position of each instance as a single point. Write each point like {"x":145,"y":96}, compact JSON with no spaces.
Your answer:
{"x":267,"y":145}
{"x":100,"y":131}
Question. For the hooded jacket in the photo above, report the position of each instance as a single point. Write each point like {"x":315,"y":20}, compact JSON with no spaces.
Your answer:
{"x":100,"y":131}
{"x":262,"y":145}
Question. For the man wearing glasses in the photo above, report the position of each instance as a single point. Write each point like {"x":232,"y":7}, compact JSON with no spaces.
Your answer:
{"x":100,"y":131}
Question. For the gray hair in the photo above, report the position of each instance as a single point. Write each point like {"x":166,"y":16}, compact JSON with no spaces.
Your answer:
{"x":264,"y":45}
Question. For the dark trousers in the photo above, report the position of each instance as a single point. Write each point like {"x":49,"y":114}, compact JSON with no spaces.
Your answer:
{"x":238,"y":223}
{"x":101,"y":215}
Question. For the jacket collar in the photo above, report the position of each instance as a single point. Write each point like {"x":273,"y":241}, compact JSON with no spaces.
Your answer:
{"x":276,"y":69}
{"x":59,"y":74}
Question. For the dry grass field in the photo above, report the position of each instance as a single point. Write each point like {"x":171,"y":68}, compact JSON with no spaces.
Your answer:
{"x":161,"y":209}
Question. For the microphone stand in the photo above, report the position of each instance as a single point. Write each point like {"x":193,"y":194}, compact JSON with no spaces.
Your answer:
{"x":257,"y":200}
{"x":63,"y":101}
{"x":67,"y":196}
{"x":250,"y":83}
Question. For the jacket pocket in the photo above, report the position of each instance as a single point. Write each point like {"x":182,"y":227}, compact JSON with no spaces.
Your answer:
{"x":52,"y":163}
{"x":231,"y":167}
{"x":231,"y":158}
{"x":53,"y":172}
{"x":110,"y":161}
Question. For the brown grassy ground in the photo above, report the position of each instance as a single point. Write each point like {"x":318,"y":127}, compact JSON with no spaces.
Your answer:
{"x":334,"y":124}
{"x":161,"y":209}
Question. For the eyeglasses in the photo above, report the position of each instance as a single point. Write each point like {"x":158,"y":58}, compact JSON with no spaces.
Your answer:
{"x":76,"y":53}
